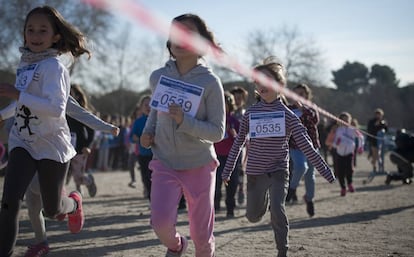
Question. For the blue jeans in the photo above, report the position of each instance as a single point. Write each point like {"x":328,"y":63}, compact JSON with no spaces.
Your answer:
{"x":301,"y":167}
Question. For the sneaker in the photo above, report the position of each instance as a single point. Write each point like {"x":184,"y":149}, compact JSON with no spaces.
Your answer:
{"x":76,"y":219}
{"x":351,"y":188}
{"x":343,"y":191}
{"x":184,"y":245}
{"x":37,"y":250}
{"x":132,"y":184}
{"x":92,"y":186}
{"x":310,"y":209}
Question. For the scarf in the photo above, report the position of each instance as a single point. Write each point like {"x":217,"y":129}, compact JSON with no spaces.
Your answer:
{"x":31,"y":57}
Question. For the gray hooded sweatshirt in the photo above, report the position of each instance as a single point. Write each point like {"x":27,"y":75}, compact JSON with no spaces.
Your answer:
{"x":190,"y":144}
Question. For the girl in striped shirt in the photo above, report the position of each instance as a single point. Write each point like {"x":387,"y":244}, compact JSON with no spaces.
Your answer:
{"x":268,"y":125}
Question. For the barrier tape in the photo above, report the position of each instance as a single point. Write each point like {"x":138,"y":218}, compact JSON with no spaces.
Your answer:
{"x":198,"y":44}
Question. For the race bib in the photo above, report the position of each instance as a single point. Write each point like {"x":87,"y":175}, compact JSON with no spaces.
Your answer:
{"x":169,"y":91}
{"x":24,"y":76}
{"x":267,"y":124}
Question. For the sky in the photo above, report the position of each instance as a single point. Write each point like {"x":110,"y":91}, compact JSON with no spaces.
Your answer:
{"x":367,"y":31}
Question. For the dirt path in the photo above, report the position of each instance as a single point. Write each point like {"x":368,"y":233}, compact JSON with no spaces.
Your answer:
{"x":377,"y":220}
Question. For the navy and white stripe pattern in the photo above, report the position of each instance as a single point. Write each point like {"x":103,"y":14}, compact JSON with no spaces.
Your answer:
{"x":270,"y":154}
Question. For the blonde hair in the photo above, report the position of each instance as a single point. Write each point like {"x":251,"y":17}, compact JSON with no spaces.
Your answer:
{"x":276,"y":70}
{"x":274,"y":67}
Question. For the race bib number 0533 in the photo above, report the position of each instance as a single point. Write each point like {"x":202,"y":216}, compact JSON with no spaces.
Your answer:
{"x":267,"y":124}
{"x":169,"y":91}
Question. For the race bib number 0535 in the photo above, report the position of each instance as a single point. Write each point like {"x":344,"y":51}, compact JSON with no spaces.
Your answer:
{"x":267,"y":124}
{"x":169,"y":91}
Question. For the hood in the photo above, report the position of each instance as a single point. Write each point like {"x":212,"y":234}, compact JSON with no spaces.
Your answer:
{"x":201,"y":68}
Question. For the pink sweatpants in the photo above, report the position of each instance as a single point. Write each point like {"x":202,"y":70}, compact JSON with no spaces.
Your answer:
{"x":198,"y":186}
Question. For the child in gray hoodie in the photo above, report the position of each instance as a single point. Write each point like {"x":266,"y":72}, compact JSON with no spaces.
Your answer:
{"x":181,"y":138}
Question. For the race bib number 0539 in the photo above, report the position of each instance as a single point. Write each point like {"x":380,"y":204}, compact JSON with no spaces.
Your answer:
{"x":267,"y":124}
{"x":169,"y":91}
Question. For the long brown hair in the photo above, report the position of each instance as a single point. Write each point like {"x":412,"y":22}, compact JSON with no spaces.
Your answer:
{"x":71,"y":39}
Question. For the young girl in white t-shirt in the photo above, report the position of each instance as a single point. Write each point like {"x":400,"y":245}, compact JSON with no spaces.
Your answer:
{"x":344,"y":143}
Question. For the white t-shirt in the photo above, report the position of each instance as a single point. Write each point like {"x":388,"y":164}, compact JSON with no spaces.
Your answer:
{"x":40,"y":124}
{"x":344,"y":140}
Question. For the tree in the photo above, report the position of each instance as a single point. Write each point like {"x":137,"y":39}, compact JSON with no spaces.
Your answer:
{"x":351,"y":78}
{"x":299,"y":54}
{"x":383,"y":75}
{"x":125,"y":61}
{"x":12,"y":15}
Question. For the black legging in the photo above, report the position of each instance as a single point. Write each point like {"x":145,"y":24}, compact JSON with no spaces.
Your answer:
{"x":231,"y":187}
{"x":344,"y":169}
{"x":144,"y":161}
{"x":20,"y":171}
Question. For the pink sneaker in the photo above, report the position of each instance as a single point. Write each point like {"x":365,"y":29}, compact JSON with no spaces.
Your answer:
{"x":38,"y":250}
{"x":351,"y":189}
{"x":77,"y":218}
{"x":343,"y":192}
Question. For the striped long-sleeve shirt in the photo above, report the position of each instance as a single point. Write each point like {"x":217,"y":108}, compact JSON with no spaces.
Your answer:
{"x":270,"y":154}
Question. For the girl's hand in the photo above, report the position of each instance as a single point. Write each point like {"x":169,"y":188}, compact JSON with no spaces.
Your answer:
{"x":226,"y":180}
{"x":146,"y":140}
{"x":176,"y":113}
{"x":9,"y":91}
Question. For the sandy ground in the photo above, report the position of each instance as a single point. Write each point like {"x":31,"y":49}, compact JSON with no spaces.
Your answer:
{"x":377,"y":220}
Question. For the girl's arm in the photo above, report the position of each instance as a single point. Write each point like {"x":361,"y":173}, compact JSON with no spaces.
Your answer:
{"x":304,"y":143}
{"x":74,"y":110}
